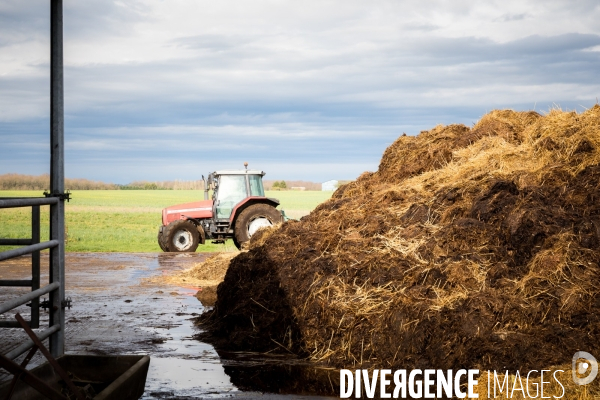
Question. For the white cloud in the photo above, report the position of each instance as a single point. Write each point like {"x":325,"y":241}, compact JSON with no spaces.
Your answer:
{"x":332,"y":79}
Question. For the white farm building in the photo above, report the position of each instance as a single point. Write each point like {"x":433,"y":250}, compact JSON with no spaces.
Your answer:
{"x":329,"y":186}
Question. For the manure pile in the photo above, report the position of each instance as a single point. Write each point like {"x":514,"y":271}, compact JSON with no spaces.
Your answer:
{"x":205,"y":275}
{"x":469,"y":247}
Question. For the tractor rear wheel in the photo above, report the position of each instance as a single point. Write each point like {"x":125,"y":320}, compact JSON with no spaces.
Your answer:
{"x":252,"y":219}
{"x":161,"y":239}
{"x":181,"y":236}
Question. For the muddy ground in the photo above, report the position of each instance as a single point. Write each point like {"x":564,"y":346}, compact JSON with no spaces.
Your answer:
{"x":119,"y":307}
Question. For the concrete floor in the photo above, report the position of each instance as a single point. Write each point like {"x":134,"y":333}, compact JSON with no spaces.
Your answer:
{"x":119,"y":309}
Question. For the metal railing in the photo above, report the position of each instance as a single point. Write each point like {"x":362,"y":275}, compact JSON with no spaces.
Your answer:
{"x":54,"y":289}
{"x":55,"y":199}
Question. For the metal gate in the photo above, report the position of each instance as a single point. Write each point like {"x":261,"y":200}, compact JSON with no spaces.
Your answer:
{"x":55,"y":199}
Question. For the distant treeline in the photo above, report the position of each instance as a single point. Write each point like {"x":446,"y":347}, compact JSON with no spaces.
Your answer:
{"x":288,"y":185}
{"x":42,"y":182}
{"x":165,"y":185}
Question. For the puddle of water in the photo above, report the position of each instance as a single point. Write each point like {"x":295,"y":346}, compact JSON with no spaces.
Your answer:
{"x":184,"y":366}
{"x":176,"y":376}
{"x":187,"y":367}
{"x":282,"y":375}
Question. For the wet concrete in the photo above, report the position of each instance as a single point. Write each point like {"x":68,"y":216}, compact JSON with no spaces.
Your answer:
{"x":118,"y":310}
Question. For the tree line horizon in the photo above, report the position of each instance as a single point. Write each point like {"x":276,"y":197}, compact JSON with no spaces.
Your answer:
{"x":12,"y":181}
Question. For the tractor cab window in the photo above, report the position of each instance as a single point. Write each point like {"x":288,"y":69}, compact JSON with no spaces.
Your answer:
{"x":231,"y":190}
{"x":256,"y":185}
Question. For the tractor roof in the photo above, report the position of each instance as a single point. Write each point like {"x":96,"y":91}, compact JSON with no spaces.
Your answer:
{"x":240,"y":172}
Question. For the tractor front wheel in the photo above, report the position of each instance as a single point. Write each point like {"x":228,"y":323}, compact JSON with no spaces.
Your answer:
{"x":181,"y":236}
{"x":252,"y":219}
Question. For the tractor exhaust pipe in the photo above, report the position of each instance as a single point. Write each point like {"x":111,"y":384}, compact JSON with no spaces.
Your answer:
{"x":205,"y":188}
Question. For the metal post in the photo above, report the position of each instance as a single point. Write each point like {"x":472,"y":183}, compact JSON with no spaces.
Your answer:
{"x":57,"y":211}
{"x":35,"y":266}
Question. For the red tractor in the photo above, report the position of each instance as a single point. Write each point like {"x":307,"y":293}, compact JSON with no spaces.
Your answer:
{"x":237,"y":210}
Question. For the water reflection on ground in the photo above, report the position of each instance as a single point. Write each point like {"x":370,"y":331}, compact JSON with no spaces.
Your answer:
{"x":117,"y":310}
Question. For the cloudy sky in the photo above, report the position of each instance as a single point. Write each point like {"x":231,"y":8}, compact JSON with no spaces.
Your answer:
{"x":314,"y":89}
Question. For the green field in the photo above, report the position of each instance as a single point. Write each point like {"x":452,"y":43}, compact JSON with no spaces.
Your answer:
{"x":128,"y":220}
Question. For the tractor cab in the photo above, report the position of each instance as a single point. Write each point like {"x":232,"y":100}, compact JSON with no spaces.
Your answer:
{"x":232,"y":187}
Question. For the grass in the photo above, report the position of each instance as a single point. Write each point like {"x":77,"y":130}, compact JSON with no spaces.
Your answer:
{"x":127,"y":220}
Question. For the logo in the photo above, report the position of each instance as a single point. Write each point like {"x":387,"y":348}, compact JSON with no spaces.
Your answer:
{"x":584,"y":364}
